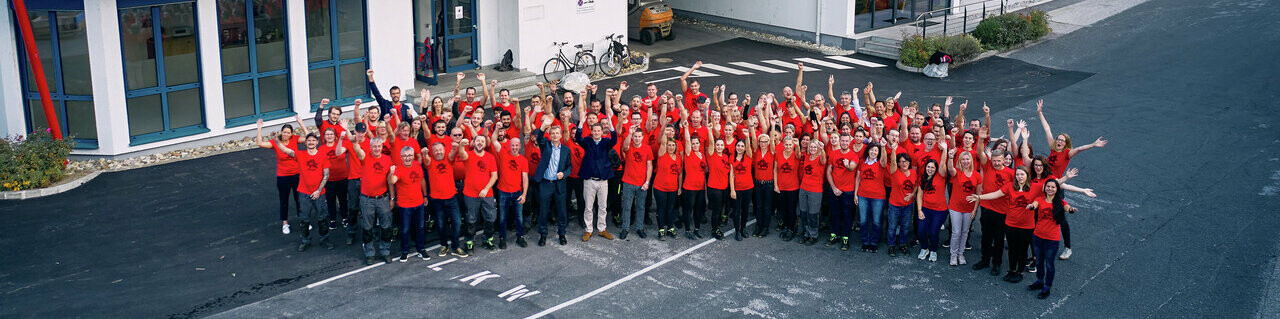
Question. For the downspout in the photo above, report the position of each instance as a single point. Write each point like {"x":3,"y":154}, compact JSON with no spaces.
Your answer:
{"x":817,"y":28}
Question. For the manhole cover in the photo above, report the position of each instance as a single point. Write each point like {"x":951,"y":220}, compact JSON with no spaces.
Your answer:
{"x":1041,"y":74}
{"x":662,"y":60}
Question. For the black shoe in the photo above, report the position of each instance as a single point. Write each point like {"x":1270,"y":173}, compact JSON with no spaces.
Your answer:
{"x":303,"y":247}
{"x":844,"y":246}
{"x":717,"y":234}
{"x":502,"y":243}
{"x":404,"y":257}
{"x":764,"y":233}
{"x":737,"y":236}
{"x":1035,"y":286}
{"x":995,"y":270}
{"x":351,"y":239}
{"x":542,"y":241}
{"x":422,"y":253}
{"x":811,"y":242}
{"x":981,"y":265}
{"x":905,"y":250}
{"x":662,"y":235}
{"x":1017,"y":277}
{"x":689,"y":235}
{"x":893,"y":251}
{"x":1043,"y":294}
{"x":873,"y":248}
{"x":622,"y":235}
{"x":946,"y":244}
{"x":520,"y":242}
{"x":386,"y":259}
{"x":333,"y":224}
{"x":368,"y":261}
{"x":640,"y":232}
{"x":326,"y":244}
{"x":563,"y":241}
{"x":786,"y":235}
{"x":833,"y":240}
{"x":967,"y":246}
{"x":697,"y":233}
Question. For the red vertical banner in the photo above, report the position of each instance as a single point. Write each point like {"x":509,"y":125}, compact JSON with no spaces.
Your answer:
{"x":33,"y":56}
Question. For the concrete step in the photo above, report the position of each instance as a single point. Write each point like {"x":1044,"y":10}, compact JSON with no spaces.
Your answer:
{"x":880,"y":51}
{"x":884,"y":40}
{"x":883,"y":46}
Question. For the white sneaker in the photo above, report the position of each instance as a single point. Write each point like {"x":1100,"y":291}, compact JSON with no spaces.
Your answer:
{"x":285,"y":229}
{"x":933,"y":256}
{"x":962,"y":262}
{"x":923,"y":253}
{"x":1066,"y":254}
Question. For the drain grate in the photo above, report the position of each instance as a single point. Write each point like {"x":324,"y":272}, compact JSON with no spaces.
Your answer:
{"x":1039,"y":74}
{"x":662,"y":60}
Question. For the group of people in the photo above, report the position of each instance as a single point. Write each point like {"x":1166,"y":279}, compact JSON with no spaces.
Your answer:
{"x":802,"y":165}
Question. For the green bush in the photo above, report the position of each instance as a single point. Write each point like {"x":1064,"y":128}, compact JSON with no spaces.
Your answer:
{"x":34,"y":162}
{"x":917,"y":50}
{"x":1006,"y":30}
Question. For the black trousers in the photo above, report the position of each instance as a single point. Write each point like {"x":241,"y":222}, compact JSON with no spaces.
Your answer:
{"x":787,"y":209}
{"x":740,"y":213}
{"x":717,"y":200}
{"x":335,"y":195}
{"x":992,"y":236}
{"x":764,"y":197}
{"x":286,"y":185}
{"x":1019,"y":243}
{"x":695,"y":209}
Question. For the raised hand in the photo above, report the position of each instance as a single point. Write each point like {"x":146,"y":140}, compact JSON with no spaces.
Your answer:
{"x":461,"y":76}
{"x":480,"y":76}
{"x":948,"y":102}
{"x":985,"y":109}
{"x":697,"y":64}
{"x":368,"y":72}
{"x":1022,"y":124}
{"x":424,"y":93}
{"x":855,"y":91}
{"x":800,"y":66}
{"x":1071,"y":173}
{"x":1100,"y":142}
{"x":539,"y":84}
{"x":324,"y":101}
{"x":493,"y":83}
{"x":623,"y":86}
{"x":1040,"y":106}
{"x":831,"y":80}
{"x":358,"y":102}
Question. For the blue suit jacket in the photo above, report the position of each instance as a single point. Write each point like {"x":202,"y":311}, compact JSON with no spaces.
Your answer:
{"x":544,"y":163}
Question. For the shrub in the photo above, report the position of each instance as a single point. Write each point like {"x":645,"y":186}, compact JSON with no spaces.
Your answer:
{"x":34,"y":162}
{"x":917,"y":50}
{"x":1006,"y":30}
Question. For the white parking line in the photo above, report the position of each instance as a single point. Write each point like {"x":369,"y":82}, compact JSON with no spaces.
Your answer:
{"x":757,"y":67}
{"x":856,"y":61}
{"x":789,"y":65}
{"x":628,"y":277}
{"x":824,"y":63}
{"x":725,"y":69}
{"x":318,"y":283}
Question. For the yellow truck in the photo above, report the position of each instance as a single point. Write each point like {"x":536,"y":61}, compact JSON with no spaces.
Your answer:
{"x":649,"y":20}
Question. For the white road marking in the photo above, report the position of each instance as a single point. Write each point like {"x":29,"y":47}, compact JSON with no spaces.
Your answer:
{"x":856,"y":61}
{"x":681,"y":70}
{"x":436,"y":266}
{"x":376,"y":265}
{"x":725,"y":69}
{"x":788,"y":65}
{"x":482,"y":273}
{"x":517,"y":293}
{"x":757,"y":67}
{"x":628,"y":277}
{"x":508,"y":292}
{"x":824,"y":63}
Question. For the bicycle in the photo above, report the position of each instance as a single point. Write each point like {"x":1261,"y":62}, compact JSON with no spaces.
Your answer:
{"x":616,"y":58}
{"x":559,"y":65}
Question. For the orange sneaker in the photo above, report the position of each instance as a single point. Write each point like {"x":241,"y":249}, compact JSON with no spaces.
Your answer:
{"x":606,"y":235}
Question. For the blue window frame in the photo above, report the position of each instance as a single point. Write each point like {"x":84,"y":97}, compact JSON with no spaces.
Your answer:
{"x":337,"y":51}
{"x":64,"y":52}
{"x":160,"y":48}
{"x":255,"y":60}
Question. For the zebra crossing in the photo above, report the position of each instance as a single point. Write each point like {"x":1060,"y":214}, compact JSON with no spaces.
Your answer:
{"x":772,"y":66}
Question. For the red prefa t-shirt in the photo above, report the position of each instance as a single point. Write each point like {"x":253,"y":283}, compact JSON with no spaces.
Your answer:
{"x":901,"y":184}
{"x":763,"y":166}
{"x":1018,"y":215}
{"x":921,"y":157}
{"x":691,"y":99}
{"x":286,"y":165}
{"x":873,"y":179}
{"x":720,"y":169}
{"x":575,"y":158}
{"x":479,"y":168}
{"x":374,"y":181}
{"x":509,"y":169}
{"x":934,"y":195}
{"x":311,"y":170}
{"x":337,"y":163}
{"x":440,"y":177}
{"x":812,"y":173}
{"x":962,"y":186}
{"x":633,"y":171}
{"x":667,"y":173}
{"x":409,"y":185}
{"x":788,"y":170}
{"x":353,"y":160}
{"x":695,"y":172}
{"x":399,"y":144}
{"x":1046,"y":227}
{"x":845,"y":179}
{"x":742,"y":173}
{"x":994,"y":179}
{"x":1058,"y":160}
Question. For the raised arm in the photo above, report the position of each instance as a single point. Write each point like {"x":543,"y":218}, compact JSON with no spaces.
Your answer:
{"x":301,"y":127}
{"x":684,"y":79}
{"x":258,"y":139}
{"x":457,"y":86}
{"x":484,"y":86}
{"x":1096,"y":143}
{"x":799,"y":76}
{"x":1048,"y":133}
{"x":320,"y":112}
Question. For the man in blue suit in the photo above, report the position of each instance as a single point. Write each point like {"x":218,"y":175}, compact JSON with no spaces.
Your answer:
{"x":550,"y":175}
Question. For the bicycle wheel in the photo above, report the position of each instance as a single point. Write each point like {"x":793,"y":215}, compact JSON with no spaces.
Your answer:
{"x":554,"y":69}
{"x":584,"y":62}
{"x":610,"y":64}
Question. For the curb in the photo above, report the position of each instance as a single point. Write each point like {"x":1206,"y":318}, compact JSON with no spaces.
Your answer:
{"x":979,"y":57}
{"x":41,"y":192}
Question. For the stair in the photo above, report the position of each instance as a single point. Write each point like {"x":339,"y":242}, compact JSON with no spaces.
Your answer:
{"x":880,"y":47}
{"x":520,"y":83}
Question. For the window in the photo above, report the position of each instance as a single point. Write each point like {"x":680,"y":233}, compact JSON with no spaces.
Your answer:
{"x":336,"y":54}
{"x":64,"y":56}
{"x":162,"y":72}
{"x":255,"y":63}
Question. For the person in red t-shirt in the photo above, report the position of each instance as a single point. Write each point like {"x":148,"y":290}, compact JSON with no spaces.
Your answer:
{"x":765,"y":187}
{"x":482,"y":174}
{"x":666,"y":186}
{"x":375,"y":203}
{"x":871,"y":176}
{"x":410,"y":188}
{"x":286,"y":167}
{"x":313,"y":173}
{"x":637,"y":169}
{"x":1048,"y":212}
{"x":813,"y":168}
{"x":513,"y":186}
{"x":443,"y":196}
{"x":742,"y":184}
{"x":902,"y":193}
{"x":842,"y":176}
{"x":965,"y":181}
{"x":995,"y":174}
{"x":718,"y":183}
{"x":694,"y":186}
{"x":336,"y":187}
{"x":786,"y":177}
{"x":931,"y":206}
{"x":1061,"y":152}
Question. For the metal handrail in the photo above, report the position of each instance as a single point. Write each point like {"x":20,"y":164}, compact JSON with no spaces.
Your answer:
{"x":923,"y":26}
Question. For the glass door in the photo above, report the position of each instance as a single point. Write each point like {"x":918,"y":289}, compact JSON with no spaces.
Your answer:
{"x":460,"y":35}
{"x":425,"y":45}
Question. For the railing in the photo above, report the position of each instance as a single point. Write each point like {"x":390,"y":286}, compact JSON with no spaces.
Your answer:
{"x":958,"y":19}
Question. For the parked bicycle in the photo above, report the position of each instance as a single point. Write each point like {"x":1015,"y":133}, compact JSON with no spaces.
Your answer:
{"x":561,"y":65}
{"x":617,"y":57}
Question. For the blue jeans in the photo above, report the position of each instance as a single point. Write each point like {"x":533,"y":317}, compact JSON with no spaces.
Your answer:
{"x":1046,"y":251}
{"x":869,"y":211}
{"x":509,"y":206}
{"x":448,"y":221}
{"x":632,"y":201}
{"x":899,"y":217}
{"x":411,"y":220}
{"x":843,"y":214}
{"x":928,"y":228}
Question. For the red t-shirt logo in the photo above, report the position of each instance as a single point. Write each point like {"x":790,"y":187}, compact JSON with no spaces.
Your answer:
{"x":441,"y":168}
{"x":312,"y":164}
{"x":785,"y":167}
{"x":762,"y":164}
{"x":377,"y":167}
{"x":968,"y":187}
{"x":675,"y":169}
{"x":513,"y":165}
{"x":908,"y":186}
{"x":868,"y":174}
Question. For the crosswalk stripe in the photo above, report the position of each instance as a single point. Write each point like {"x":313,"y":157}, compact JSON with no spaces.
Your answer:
{"x":824,"y":63}
{"x":856,"y":61}
{"x":757,"y":67}
{"x":788,"y":65}
{"x":725,"y":69}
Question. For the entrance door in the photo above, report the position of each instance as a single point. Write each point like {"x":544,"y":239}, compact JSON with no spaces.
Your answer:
{"x":459,"y":35}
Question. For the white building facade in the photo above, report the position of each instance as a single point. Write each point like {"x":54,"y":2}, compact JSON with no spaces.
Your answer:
{"x":129,"y":76}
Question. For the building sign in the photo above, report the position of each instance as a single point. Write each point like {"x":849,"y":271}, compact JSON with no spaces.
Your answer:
{"x":586,"y":6}
{"x":457,"y":12}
